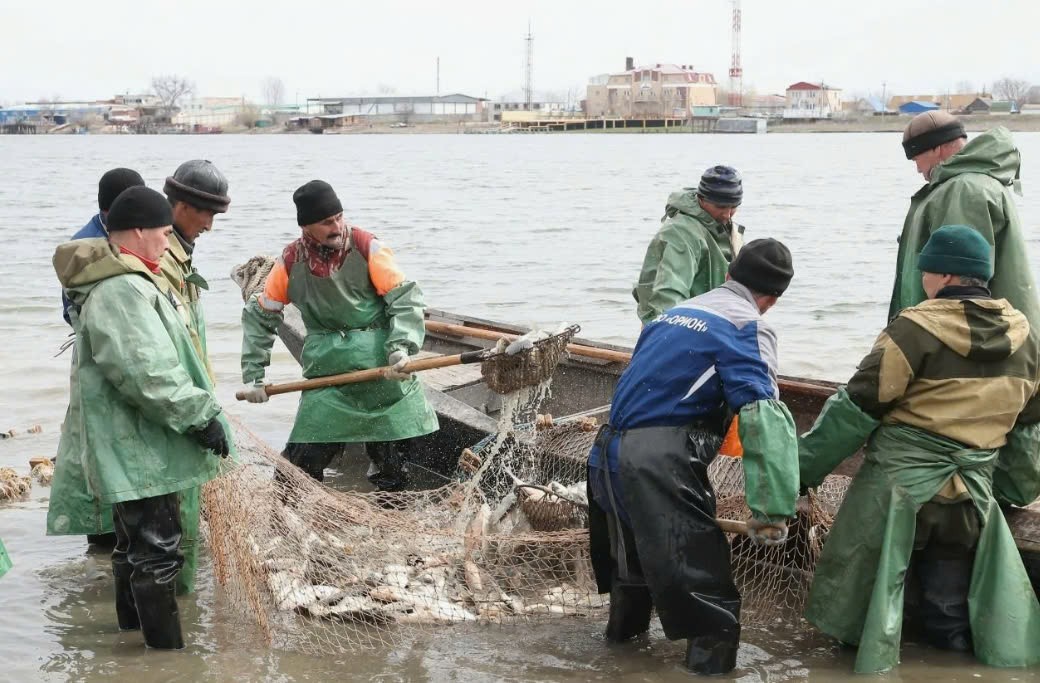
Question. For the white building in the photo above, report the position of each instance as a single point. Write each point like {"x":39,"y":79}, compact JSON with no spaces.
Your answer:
{"x":812,"y":101}
{"x":211,"y":112}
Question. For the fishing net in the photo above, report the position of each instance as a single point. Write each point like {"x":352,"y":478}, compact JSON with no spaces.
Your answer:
{"x":323,"y":570}
{"x":506,"y":542}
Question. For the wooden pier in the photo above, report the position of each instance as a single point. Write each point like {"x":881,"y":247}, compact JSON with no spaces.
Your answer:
{"x":661,"y":125}
{"x":20,"y":128}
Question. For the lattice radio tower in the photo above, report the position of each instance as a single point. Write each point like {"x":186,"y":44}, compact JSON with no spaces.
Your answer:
{"x":736,"y":72}
{"x":529,"y":67}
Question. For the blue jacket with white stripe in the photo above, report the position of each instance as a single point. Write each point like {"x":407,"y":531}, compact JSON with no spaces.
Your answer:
{"x":696,"y":359}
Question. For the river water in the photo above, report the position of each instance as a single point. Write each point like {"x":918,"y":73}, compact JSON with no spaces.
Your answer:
{"x":529,"y":229}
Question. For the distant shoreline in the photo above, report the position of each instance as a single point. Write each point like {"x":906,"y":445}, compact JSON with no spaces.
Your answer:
{"x":1026,"y":123}
{"x":878,"y":124}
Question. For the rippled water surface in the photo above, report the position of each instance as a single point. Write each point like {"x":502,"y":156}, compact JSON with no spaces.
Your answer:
{"x":529,"y":229}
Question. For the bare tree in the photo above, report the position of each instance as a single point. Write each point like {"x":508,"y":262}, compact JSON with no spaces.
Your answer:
{"x":248,"y":115}
{"x":170,"y":90}
{"x":1011,"y":89}
{"x":274,"y":92}
{"x":965,"y":87}
{"x":386,"y":89}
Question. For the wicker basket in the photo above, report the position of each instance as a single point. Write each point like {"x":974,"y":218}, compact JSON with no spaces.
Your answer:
{"x":548,"y":512}
{"x":504,"y":374}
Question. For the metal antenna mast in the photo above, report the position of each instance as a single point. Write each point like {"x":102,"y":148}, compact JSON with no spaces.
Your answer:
{"x":736,"y":72}
{"x":529,"y":68}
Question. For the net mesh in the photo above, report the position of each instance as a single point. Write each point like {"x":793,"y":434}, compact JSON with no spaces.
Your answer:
{"x":505,"y":542}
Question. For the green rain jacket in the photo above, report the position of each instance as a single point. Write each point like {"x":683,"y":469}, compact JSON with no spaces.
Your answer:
{"x":5,"y":560}
{"x":931,"y":366}
{"x":187,"y":285}
{"x":350,"y":326}
{"x":688,"y":256}
{"x":136,"y":376}
{"x":973,"y":187}
{"x":94,"y":518}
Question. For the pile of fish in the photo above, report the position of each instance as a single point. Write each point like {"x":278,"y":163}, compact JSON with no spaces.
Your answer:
{"x":438,"y":578}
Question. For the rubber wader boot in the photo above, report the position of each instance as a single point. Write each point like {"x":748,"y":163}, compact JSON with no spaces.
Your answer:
{"x":126,"y":608}
{"x":160,"y":619}
{"x":630,"y":610}
{"x":946,"y":623}
{"x":388,"y":468}
{"x":713,"y":655}
{"x":101,"y":542}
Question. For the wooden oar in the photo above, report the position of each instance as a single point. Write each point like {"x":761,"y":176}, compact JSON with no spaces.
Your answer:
{"x":417,"y":365}
{"x":510,"y":371}
{"x":732,"y":526}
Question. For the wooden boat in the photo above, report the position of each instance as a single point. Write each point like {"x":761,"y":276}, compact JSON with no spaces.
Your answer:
{"x":468,"y":409}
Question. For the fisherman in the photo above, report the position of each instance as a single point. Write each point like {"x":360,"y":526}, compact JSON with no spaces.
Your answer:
{"x":360,"y":312}
{"x":142,"y":416}
{"x":197,"y":191}
{"x":967,"y":183}
{"x":934,"y":401}
{"x":654,"y":541}
{"x":112,"y":183}
{"x":695,"y":244}
{"x":98,"y":531}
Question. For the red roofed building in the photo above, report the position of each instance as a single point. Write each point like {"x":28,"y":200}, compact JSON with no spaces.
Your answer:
{"x":812,"y":101}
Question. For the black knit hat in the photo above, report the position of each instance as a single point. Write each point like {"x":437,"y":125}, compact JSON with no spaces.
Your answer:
{"x":929,"y":130}
{"x":139,"y":207}
{"x":722,"y":186}
{"x":199,"y":183}
{"x":763,"y":266}
{"x":315,"y":201}
{"x":113,"y":183}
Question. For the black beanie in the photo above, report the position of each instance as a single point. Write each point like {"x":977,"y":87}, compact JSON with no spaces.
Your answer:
{"x":763,"y":266}
{"x":113,"y":183}
{"x":315,"y":201}
{"x":722,"y":186}
{"x":139,"y":207}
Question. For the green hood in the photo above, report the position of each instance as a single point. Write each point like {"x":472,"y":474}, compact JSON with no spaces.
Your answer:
{"x":685,"y":201}
{"x":82,"y":264}
{"x":992,"y":153}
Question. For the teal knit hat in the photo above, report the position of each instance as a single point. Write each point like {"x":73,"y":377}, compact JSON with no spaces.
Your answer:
{"x":957,"y":250}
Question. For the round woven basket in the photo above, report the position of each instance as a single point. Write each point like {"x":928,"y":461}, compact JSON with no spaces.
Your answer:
{"x":547,"y":512}
{"x":504,"y":374}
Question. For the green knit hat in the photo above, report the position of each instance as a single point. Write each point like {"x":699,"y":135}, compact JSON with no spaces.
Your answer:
{"x":957,"y":250}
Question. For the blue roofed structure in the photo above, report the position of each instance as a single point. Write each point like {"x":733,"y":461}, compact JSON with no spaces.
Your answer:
{"x":917,"y":106}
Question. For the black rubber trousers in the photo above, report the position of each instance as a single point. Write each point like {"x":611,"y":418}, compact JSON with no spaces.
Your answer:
{"x":388,"y":470}
{"x":940,"y":574}
{"x":662,"y":484}
{"x":145,"y":563}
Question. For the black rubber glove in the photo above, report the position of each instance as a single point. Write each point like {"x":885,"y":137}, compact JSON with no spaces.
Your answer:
{"x":212,"y":436}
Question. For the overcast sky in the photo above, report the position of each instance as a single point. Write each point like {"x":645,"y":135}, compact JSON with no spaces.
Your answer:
{"x":90,"y":50}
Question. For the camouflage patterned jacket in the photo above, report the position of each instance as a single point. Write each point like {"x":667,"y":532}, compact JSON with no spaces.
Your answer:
{"x":962,"y":365}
